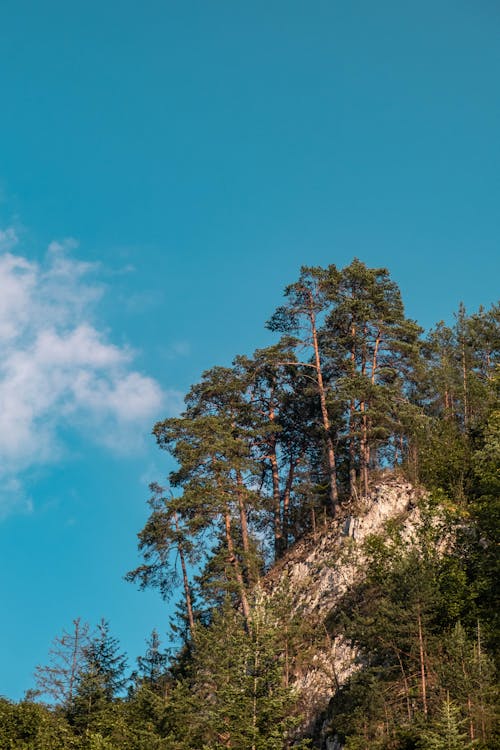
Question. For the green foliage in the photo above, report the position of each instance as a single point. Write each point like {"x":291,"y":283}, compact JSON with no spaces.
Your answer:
{"x":446,"y":731}
{"x":444,"y":456}
{"x":236,"y":684}
{"x":30,"y":726}
{"x":264,"y":452}
{"x":425,"y":678}
{"x":101,"y":679}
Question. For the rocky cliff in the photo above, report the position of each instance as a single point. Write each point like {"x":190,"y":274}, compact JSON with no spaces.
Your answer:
{"x":318,"y":571}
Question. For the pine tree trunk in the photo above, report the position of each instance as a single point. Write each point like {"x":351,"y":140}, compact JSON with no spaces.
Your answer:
{"x":369,"y":459}
{"x":352,"y":412}
{"x":286,"y":499}
{"x":364,"y":421}
{"x":464,"y":385}
{"x":352,"y":452}
{"x":378,"y":341}
{"x":330,"y":450}
{"x":233,"y":560}
{"x":423,"y":678}
{"x":240,"y":490}
{"x":406,"y":686}
{"x":277,"y":521}
{"x":364,"y":449}
{"x":185,"y":580}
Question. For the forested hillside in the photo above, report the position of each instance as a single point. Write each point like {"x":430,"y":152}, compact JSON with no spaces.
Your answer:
{"x":282,"y":447}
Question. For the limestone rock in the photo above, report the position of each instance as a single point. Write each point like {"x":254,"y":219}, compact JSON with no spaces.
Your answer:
{"x":319,"y":570}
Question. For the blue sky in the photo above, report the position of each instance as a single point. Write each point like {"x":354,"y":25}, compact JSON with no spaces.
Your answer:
{"x":165,"y":168}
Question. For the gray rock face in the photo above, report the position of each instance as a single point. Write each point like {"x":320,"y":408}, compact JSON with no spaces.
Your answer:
{"x":319,"y":571}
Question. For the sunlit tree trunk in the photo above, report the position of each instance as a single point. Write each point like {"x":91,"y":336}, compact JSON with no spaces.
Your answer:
{"x":330,"y":450}
{"x":185,"y":579}
{"x":234,"y":562}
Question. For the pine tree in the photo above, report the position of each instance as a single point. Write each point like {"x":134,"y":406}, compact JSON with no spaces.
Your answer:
{"x":281,"y":414}
{"x":299,"y":320}
{"x":169,"y":535}
{"x":212,"y":443}
{"x":371,"y":349}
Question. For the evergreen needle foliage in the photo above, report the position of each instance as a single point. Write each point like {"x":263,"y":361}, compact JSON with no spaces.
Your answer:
{"x":266,"y":451}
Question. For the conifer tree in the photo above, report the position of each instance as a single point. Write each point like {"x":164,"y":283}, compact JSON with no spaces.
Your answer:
{"x":237,"y":682}
{"x":299,"y":319}
{"x":101,"y":679}
{"x":281,"y":416}
{"x":371,"y":349}
{"x":153,"y":666}
{"x":447,"y":731}
{"x":168,"y":535}
{"x":212,"y":443}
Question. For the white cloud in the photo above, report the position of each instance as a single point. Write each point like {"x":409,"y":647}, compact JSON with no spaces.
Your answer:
{"x":58,"y":369}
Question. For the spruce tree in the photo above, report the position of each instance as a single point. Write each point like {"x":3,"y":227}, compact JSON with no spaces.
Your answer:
{"x":101,"y":680}
{"x":446,"y":731}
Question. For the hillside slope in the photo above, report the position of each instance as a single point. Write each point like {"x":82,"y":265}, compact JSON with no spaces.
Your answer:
{"x":319,"y":570}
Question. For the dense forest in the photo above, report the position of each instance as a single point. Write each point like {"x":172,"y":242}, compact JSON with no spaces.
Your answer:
{"x":281,"y":445}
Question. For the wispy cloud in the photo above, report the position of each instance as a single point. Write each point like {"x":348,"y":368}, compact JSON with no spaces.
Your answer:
{"x":177,"y":350}
{"x":8,"y":238}
{"x":14,"y":497}
{"x":59,"y":371}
